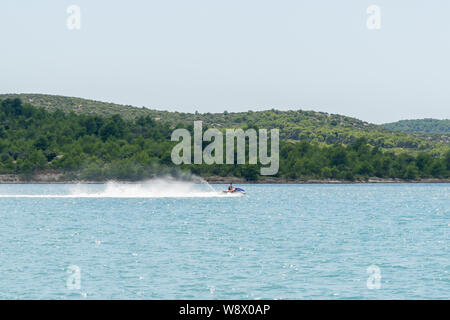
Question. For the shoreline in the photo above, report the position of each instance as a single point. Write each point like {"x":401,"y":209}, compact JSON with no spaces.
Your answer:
{"x":314,"y":181}
{"x":56,"y":179}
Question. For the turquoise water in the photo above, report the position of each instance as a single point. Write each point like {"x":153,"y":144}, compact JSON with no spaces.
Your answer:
{"x":276,"y":242}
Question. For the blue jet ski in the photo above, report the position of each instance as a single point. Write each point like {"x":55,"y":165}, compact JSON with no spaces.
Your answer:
{"x":235,"y":190}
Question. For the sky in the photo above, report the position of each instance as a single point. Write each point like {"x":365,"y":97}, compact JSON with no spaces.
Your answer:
{"x":235,"y":55}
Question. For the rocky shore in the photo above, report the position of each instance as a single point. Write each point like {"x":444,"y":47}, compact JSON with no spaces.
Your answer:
{"x":57,"y":178}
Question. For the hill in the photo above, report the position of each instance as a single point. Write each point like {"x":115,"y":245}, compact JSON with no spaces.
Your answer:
{"x":420,"y":125}
{"x":296,"y":125}
{"x":34,"y":141}
{"x":429,"y":129}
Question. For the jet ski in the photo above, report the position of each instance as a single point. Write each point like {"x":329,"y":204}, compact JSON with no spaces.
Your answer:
{"x":235,"y":190}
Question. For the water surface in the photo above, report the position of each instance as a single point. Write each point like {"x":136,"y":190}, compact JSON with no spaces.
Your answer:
{"x":184,"y":242}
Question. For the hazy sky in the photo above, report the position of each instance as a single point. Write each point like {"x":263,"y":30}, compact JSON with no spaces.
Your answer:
{"x":211,"y":56}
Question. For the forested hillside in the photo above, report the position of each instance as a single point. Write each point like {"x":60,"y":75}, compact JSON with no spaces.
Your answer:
{"x":94,"y":147}
{"x":420,"y":125}
{"x":297,"y":125}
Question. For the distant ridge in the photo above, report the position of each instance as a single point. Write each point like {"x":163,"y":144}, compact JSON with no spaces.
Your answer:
{"x":420,"y":125}
{"x":78,"y":105}
{"x":294,"y":125}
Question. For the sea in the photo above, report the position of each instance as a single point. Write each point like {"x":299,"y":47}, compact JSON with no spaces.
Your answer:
{"x":165,"y":239}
